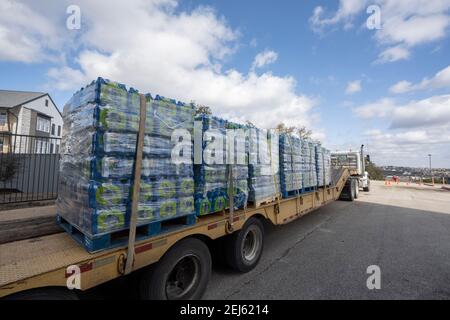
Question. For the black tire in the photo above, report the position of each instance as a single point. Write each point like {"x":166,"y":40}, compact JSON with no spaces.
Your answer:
{"x":182,"y":273}
{"x":51,"y":293}
{"x":366,"y":189}
{"x":356,"y":189}
{"x":352,"y":191}
{"x":243,"y":248}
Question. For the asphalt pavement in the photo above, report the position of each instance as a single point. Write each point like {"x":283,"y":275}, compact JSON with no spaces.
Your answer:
{"x":404,"y":230}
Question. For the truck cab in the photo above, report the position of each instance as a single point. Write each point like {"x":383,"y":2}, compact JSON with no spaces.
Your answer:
{"x":359,"y":178}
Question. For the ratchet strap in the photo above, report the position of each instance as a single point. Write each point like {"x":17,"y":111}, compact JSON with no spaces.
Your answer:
{"x":136,"y":185}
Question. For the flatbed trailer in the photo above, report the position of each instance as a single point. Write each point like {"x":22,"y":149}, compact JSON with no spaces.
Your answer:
{"x":33,"y":268}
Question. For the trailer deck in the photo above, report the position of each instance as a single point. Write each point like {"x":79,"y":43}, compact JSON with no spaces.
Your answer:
{"x":43,"y":261}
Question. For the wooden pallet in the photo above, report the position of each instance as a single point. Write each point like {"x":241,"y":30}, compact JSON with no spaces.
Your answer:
{"x":119,"y":238}
{"x":308,"y":189}
{"x":295,"y":193}
{"x":264,"y":201}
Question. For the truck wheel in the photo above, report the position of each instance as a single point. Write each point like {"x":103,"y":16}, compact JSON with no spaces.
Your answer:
{"x":356,"y":189}
{"x":244,"y":248}
{"x":51,"y":293}
{"x":366,"y":189}
{"x":352,"y":191}
{"x":181,"y":274}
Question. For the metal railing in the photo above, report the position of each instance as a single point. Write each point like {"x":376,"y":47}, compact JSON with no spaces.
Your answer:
{"x":29,"y":168}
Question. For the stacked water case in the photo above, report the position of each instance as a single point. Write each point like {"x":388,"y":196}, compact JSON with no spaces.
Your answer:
{"x":309,"y":173}
{"x":327,"y":166}
{"x":323,"y":166}
{"x":290,"y":164}
{"x":212,"y":175}
{"x":320,"y":165}
{"x":98,"y":151}
{"x":264,"y":177}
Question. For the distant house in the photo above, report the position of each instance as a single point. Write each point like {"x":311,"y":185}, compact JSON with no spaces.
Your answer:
{"x":30,"y":122}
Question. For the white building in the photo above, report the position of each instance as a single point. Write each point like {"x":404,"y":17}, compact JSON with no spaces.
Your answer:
{"x":30,"y":122}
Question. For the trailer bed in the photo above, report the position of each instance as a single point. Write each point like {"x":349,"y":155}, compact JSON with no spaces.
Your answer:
{"x":43,"y":261}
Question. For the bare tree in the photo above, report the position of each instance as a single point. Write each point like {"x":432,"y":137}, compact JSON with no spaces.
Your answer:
{"x":301,"y":131}
{"x":281,"y":127}
{"x":250,"y":124}
{"x":201,"y":109}
{"x":304,"y":133}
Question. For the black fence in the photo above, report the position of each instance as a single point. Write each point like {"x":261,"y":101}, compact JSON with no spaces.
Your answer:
{"x":29,"y":168}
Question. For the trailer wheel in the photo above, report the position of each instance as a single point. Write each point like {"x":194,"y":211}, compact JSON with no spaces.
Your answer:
{"x":51,"y":293}
{"x":244,"y":248}
{"x":182,"y":273}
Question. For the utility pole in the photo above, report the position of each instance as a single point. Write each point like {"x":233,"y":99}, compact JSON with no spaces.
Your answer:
{"x":431,"y":173}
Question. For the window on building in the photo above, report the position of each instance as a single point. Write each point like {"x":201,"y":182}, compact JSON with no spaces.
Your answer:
{"x":51,"y":147}
{"x":53,"y":129}
{"x":41,"y":146}
{"x":38,"y":145}
{"x":46,"y":102}
{"x":57,"y":148}
{"x":59,"y":131}
{"x":3,"y":118}
{"x":43,"y":124}
{"x":1,"y":144}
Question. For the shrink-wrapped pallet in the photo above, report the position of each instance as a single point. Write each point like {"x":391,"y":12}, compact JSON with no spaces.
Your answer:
{"x":98,"y":156}
{"x":264,"y":178}
{"x":290,"y":164}
{"x":212,"y":174}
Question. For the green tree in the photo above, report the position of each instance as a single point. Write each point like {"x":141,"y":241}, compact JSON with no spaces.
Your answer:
{"x":375,"y":173}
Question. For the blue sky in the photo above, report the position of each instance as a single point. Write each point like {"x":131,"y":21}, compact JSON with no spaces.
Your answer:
{"x":309,"y":52}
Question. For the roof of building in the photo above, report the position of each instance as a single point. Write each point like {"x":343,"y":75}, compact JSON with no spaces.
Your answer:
{"x":11,"y":98}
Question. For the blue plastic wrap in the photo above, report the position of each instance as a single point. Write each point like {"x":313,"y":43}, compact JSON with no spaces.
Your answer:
{"x":264,"y":178}
{"x":309,"y":173}
{"x":211,"y":180}
{"x":291,"y":163}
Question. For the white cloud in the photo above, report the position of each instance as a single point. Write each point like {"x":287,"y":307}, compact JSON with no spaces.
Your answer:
{"x":25,"y":36}
{"x":353,"y":87}
{"x":393,"y":54}
{"x":410,"y":147}
{"x":347,"y":10}
{"x":440,"y":80}
{"x":430,"y":112}
{"x":404,"y":24}
{"x":158,"y":48}
{"x":413,"y":130}
{"x":264,"y":58}
{"x":401,"y":87}
{"x":378,"y":109}
{"x":413,"y":30}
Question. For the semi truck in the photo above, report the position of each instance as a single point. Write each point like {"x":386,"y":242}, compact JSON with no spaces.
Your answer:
{"x":359,"y":178}
{"x":173,"y":265}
